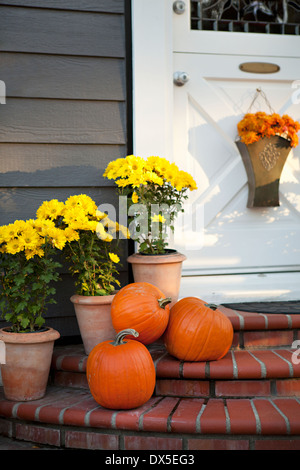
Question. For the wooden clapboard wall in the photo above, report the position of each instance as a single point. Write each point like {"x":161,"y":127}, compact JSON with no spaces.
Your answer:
{"x":66,"y":112}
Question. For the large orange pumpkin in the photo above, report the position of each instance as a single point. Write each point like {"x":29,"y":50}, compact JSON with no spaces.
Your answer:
{"x":143,"y":307}
{"x":197,"y":331}
{"x":121,"y":373}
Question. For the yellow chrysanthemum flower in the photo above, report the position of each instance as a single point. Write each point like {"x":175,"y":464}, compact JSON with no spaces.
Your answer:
{"x":11,"y":231}
{"x":152,"y":177}
{"x":124,"y":230}
{"x":30,"y":239}
{"x":134,"y":197}
{"x":135,"y":163}
{"x":111,"y":227}
{"x":71,"y":234}
{"x":122,"y":171}
{"x":75,"y":217}
{"x":114,"y":257}
{"x":171,"y":173}
{"x":187,"y":180}
{"x":153,"y":162}
{"x":21,"y":225}
{"x":43,"y":225}
{"x":159,"y":165}
{"x":2,"y":240}
{"x":92,"y":225}
{"x":13,"y":246}
{"x":50,"y":209}
{"x":136,"y":179}
{"x":121,"y":183}
{"x":8,"y":232}
{"x":57,"y":238}
{"x":31,"y":253}
{"x":112,"y":168}
{"x":83,"y":201}
{"x":100,"y":215}
{"x":102,"y":234}
{"x":158,"y":218}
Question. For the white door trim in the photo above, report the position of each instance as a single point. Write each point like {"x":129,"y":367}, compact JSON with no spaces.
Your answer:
{"x":152,"y":70}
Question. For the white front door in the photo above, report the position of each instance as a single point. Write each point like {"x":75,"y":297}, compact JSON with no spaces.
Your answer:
{"x":233,"y":253}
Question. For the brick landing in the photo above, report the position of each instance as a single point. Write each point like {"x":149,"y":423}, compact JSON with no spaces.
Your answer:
{"x":249,"y":400}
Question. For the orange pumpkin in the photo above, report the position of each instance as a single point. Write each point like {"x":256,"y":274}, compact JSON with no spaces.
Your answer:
{"x":197,"y":331}
{"x":121,"y":374}
{"x":144,"y":308}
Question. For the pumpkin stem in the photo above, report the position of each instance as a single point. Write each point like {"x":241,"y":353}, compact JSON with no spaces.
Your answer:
{"x":164,"y":302}
{"x":212,"y":306}
{"x":121,"y":335}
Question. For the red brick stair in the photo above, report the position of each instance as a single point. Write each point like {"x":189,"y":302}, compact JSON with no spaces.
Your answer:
{"x":249,"y":400}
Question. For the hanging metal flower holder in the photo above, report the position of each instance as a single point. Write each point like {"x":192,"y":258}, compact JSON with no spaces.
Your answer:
{"x":265,"y":143}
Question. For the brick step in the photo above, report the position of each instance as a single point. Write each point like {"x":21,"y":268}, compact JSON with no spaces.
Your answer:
{"x":257,"y":330}
{"x":241,"y":373}
{"x":260,"y":362}
{"x":70,"y":418}
{"x":248,"y":400}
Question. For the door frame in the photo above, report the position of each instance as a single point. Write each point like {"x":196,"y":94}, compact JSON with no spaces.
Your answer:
{"x":152,"y":45}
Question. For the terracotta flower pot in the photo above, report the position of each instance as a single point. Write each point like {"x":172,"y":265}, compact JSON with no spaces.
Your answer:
{"x":28,"y":359}
{"x":94,"y":319}
{"x":163,"y":271}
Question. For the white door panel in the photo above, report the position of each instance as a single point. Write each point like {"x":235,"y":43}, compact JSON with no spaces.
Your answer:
{"x":233,"y":253}
{"x":206,"y":112}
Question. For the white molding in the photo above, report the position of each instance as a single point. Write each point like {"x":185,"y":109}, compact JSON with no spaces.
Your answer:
{"x":245,"y":270}
{"x":152,"y":72}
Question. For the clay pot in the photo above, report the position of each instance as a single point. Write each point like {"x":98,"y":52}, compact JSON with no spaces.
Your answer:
{"x":163,"y":271}
{"x":94,"y":319}
{"x":27,"y":364}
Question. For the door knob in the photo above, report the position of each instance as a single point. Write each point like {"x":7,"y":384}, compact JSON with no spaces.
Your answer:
{"x":179,"y":7}
{"x":180,"y":78}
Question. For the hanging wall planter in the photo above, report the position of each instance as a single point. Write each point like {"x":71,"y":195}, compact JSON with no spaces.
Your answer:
{"x":264,"y":161}
{"x":265,"y":143}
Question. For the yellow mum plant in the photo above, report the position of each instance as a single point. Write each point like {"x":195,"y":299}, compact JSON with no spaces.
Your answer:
{"x":156,"y":190}
{"x":90,"y":242}
{"x":86,"y":238}
{"x":28,"y":271}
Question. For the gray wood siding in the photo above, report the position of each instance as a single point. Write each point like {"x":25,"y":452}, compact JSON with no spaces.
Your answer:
{"x":63,"y":77}
{"x":62,"y":121}
{"x":62,"y":32}
{"x":65,"y":117}
{"x":102,"y":6}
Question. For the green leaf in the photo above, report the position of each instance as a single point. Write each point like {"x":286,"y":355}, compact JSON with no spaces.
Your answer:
{"x":39,"y":321}
{"x":21,"y":306}
{"x":8,"y":317}
{"x":101,"y":291}
{"x":46,"y":277}
{"x":24,"y":322}
{"x":37,"y":285}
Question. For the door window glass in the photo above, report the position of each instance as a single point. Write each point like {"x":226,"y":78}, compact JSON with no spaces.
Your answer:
{"x":248,"y":16}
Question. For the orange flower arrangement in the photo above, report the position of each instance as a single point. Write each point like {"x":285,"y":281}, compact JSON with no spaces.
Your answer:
{"x":255,"y":126}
